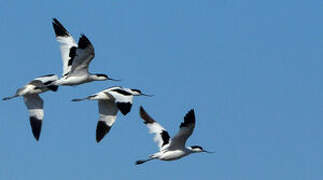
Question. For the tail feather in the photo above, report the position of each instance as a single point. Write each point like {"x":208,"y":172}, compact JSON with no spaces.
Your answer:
{"x":10,"y":97}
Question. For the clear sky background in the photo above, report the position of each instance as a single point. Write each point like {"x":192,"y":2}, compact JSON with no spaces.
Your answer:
{"x":252,"y":70}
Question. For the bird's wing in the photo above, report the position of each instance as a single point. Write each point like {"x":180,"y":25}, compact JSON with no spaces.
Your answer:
{"x":185,"y":131}
{"x":161,"y":135}
{"x":84,"y":55}
{"x":36,"y":113}
{"x":67,"y":45}
{"x":47,"y":80}
{"x":37,"y":83}
{"x":108,"y":114}
{"x":123,"y":99}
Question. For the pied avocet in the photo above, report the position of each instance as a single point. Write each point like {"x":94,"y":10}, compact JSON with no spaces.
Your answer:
{"x":110,"y":101}
{"x":171,"y":149}
{"x":76,"y":58}
{"x":33,"y":101}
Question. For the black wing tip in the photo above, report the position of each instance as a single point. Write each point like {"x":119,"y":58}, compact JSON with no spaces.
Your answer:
{"x":36,"y":125}
{"x":83,"y":38}
{"x":188,"y":119}
{"x":191,"y":111}
{"x":144,"y":115}
{"x":84,"y":42}
{"x":54,"y":20}
{"x":59,"y":28}
{"x":101,"y":130}
{"x":190,"y":114}
{"x":141,"y":110}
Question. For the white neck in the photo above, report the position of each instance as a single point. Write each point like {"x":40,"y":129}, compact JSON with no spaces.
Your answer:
{"x":94,"y":77}
{"x":192,"y":151}
{"x":189,"y":150}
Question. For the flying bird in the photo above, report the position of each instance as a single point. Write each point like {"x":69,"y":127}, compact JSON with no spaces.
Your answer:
{"x":33,"y":101}
{"x":171,"y":148}
{"x":76,"y":58}
{"x":110,"y":101}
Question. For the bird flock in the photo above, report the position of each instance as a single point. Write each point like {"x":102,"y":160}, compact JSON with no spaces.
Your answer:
{"x":76,"y":58}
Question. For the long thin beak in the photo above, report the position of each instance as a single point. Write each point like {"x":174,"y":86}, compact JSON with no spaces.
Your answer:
{"x":210,"y":152}
{"x":111,"y":79}
{"x":149,"y":95}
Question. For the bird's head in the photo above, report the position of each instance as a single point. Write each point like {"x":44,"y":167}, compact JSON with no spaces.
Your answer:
{"x":137,"y":92}
{"x":103,"y":77}
{"x":197,"y":149}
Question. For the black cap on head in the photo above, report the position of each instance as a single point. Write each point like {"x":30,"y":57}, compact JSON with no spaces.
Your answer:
{"x":136,"y":90}
{"x":103,"y":75}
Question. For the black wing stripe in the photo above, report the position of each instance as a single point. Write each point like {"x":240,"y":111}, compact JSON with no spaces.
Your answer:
{"x":48,"y":82}
{"x":72,"y":54}
{"x":165,"y":136}
{"x":124,"y":107}
{"x":53,"y":88}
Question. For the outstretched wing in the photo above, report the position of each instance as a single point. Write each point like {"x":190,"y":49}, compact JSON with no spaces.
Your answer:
{"x":84,"y":55}
{"x":108,"y":114}
{"x":185,"y":131}
{"x":123,"y":99}
{"x":67,"y":45}
{"x":36,"y":113}
{"x":46,"y":80}
{"x":161,"y":135}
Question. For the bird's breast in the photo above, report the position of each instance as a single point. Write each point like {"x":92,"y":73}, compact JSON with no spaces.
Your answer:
{"x":73,"y":80}
{"x":31,"y":89}
{"x":172,"y":155}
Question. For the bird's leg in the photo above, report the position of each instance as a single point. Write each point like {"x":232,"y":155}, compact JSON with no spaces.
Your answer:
{"x":143,"y":161}
{"x":81,"y":99}
{"x":10,"y":97}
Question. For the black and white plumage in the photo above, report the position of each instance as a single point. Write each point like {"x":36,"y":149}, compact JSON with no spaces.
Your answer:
{"x":110,"y":101}
{"x":34,"y":102}
{"x":171,"y":148}
{"x":76,"y":58}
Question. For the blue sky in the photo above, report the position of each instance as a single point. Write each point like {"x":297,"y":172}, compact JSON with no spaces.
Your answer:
{"x":252,"y":70}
